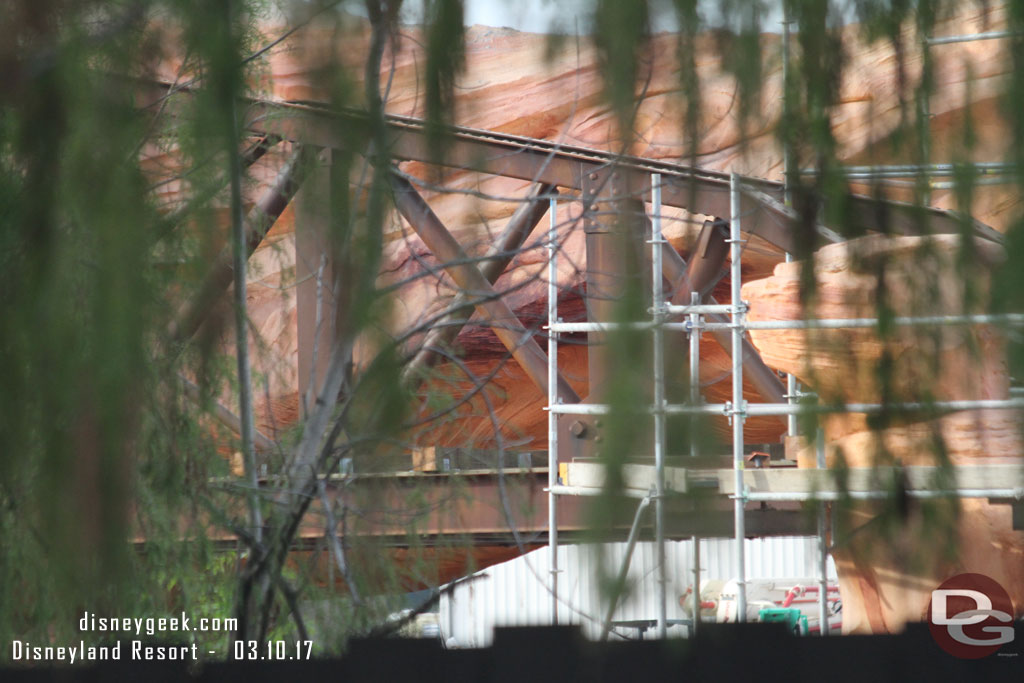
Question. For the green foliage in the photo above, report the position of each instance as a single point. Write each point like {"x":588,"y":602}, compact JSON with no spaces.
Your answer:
{"x":689,"y":26}
{"x":446,"y":55}
{"x":98,"y":443}
{"x":99,"y":447}
{"x":740,"y":48}
{"x":620,"y":31}
{"x":77,"y":308}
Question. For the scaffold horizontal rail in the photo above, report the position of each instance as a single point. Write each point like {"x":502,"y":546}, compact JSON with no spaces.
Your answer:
{"x":1015,"y":494}
{"x":1010,"y":319}
{"x":569,"y":328}
{"x":969,"y":38}
{"x":775,"y":409}
{"x":914,"y":170}
{"x":1004,"y":481}
{"x":1007,"y":319}
{"x":703,"y":309}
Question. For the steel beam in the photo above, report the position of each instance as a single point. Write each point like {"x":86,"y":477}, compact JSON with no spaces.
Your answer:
{"x":615,"y":228}
{"x":494,"y":263}
{"x":488,"y":302}
{"x":257,"y":224}
{"x":765,"y":380}
{"x":705,"y":265}
{"x":456,"y":506}
{"x":694,"y":189}
{"x":697,"y":190}
{"x":226,"y":417}
{"x":249,"y":157}
{"x":461,"y":504}
{"x":613,"y":224}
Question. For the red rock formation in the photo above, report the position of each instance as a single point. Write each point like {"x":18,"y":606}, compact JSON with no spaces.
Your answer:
{"x":889,"y":560}
{"x":508,"y":86}
{"x":889,"y":563}
{"x":863,"y":279}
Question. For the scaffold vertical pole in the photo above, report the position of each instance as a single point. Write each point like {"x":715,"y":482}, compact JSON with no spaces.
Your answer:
{"x":552,"y":400}
{"x":658,"y":302}
{"x":696,"y":586}
{"x":738,"y":406}
{"x":787,"y":170}
{"x":819,"y":448}
{"x":787,"y":151}
{"x":792,"y":428}
{"x":695,"y":323}
{"x":925,"y":134}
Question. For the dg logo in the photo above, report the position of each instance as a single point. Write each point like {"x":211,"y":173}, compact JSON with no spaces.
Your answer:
{"x":971,"y":616}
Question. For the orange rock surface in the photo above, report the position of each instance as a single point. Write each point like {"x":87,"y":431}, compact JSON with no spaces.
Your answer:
{"x":889,"y":565}
{"x":869,"y":277}
{"x":890,"y":559}
{"x":509,"y":86}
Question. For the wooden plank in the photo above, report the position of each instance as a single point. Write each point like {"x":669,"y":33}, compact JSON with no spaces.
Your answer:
{"x":424,"y":459}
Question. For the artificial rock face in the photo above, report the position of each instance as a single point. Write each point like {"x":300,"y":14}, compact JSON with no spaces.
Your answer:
{"x":891,"y":555}
{"x":510,"y":86}
{"x":873,"y":277}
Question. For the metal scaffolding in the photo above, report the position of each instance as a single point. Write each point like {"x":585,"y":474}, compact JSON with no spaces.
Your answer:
{"x":554,"y":165}
{"x":736,"y":410}
{"x":615,"y":180}
{"x":552,"y":400}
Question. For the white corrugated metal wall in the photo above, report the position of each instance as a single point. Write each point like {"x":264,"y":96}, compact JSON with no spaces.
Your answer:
{"x":516,"y":593}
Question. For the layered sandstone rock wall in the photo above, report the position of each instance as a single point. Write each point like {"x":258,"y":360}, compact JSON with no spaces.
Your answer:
{"x":509,"y":86}
{"x":891,"y":555}
{"x":882,"y":276}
